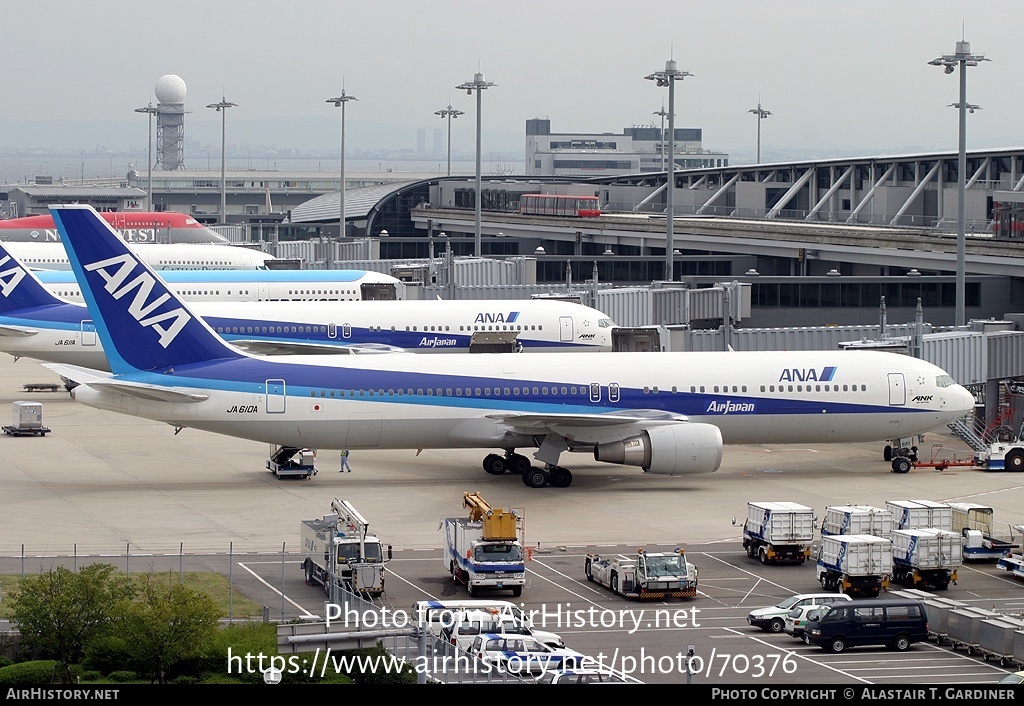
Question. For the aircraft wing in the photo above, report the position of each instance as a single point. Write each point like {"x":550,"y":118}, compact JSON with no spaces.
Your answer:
{"x":17,"y":331}
{"x":267,"y":347}
{"x":105,"y":381}
{"x":589,"y":428}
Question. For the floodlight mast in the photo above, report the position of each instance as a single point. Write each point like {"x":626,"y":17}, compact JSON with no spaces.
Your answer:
{"x":668,"y":78}
{"x":222,"y":108}
{"x":962,"y":58}
{"x":340,"y":102}
{"x":449,"y":113}
{"x":478,"y":84}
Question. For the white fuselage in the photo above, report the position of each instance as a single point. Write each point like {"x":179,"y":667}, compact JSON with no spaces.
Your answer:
{"x":429,"y":326}
{"x":250,"y":285}
{"x":159,"y":256}
{"x":407,"y":401}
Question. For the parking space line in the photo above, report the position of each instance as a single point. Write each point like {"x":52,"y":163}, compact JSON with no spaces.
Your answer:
{"x":273,"y":589}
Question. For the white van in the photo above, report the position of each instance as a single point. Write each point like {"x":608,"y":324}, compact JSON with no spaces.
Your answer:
{"x":773,"y":619}
{"x":451,"y":620}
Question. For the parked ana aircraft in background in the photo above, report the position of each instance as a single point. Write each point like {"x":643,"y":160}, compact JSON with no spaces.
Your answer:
{"x":36,"y":324}
{"x":255,"y":285}
{"x":132,"y":226}
{"x":172,"y":256}
{"x":667,"y":413}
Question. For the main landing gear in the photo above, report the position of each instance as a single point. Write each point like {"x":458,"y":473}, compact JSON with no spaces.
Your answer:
{"x":555,"y":476}
{"x":511,"y":462}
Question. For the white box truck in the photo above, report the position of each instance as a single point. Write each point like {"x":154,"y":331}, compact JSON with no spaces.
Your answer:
{"x":778,"y":532}
{"x":926,"y":556}
{"x":856,"y":564}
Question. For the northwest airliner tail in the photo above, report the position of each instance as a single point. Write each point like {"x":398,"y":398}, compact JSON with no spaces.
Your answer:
{"x":156,"y":331}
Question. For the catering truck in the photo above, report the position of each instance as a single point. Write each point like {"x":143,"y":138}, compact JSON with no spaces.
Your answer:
{"x":646,"y":575}
{"x":915,"y":514}
{"x":485,"y":550}
{"x":778,"y":531}
{"x":857,"y":519}
{"x":926,"y":556}
{"x":341,"y":551}
{"x":855,"y":564}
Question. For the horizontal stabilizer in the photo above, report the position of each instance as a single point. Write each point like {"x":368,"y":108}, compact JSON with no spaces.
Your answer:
{"x":100,"y":380}
{"x":17,"y":331}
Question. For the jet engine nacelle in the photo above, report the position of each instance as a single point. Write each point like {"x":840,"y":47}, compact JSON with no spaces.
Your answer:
{"x":671,"y":449}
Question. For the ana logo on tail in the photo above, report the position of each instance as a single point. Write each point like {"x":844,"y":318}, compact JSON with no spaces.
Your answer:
{"x":9,"y":278}
{"x":115,"y":272}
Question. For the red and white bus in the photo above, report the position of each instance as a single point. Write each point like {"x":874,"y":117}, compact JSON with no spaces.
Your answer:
{"x":559,"y":205}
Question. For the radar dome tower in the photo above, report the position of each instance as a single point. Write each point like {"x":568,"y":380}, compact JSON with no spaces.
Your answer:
{"x":170,"y":123}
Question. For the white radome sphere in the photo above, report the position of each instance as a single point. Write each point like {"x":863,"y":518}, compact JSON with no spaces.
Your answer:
{"x":170,"y":89}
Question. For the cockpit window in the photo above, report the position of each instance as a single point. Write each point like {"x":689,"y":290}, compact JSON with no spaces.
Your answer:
{"x":944,"y":380}
{"x":605,"y":323}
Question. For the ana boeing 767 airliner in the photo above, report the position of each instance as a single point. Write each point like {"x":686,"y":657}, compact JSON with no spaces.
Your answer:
{"x":36,"y":324}
{"x":667,"y":413}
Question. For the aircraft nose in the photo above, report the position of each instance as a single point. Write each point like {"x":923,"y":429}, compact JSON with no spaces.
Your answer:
{"x":965,"y":399}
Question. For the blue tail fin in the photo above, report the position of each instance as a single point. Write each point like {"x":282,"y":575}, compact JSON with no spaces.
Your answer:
{"x":142,"y":323}
{"x":19,"y":288}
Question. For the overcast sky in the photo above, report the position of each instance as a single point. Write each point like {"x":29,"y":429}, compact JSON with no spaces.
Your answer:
{"x":838,"y":77}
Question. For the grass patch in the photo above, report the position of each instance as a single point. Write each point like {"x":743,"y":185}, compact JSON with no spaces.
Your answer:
{"x":211,"y":583}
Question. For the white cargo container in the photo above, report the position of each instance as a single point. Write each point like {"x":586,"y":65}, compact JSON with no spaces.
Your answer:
{"x":914,"y":514}
{"x":926,"y":556}
{"x":778,"y":531}
{"x":27,"y":419}
{"x":856,"y":564}
{"x":858,"y":519}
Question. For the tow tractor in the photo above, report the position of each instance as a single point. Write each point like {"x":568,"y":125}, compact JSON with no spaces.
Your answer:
{"x":1003,"y":455}
{"x":647,"y":575}
{"x":286,"y":461}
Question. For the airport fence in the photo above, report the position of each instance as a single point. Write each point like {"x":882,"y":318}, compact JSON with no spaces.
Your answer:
{"x":267,"y":586}
{"x":254,"y":585}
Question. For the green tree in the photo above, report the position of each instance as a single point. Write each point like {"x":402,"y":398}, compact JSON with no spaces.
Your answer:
{"x":165,"y":622}
{"x":60,"y":611}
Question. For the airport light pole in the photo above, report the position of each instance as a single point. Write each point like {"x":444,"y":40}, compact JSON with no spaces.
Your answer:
{"x":222,"y":108}
{"x":340,"y":102}
{"x":668,"y":77}
{"x":151,"y":111}
{"x":962,"y":58}
{"x":662,"y":113}
{"x":478,"y":84}
{"x":449,"y":113}
{"x":761,"y":114}
{"x":267,"y":149}
{"x":248,"y":150}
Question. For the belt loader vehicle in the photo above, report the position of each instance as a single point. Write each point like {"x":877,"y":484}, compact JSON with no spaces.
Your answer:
{"x":855,"y":564}
{"x":484,"y":550}
{"x":778,"y":531}
{"x":647,"y":575}
{"x":926,"y":556}
{"x":341,"y":552}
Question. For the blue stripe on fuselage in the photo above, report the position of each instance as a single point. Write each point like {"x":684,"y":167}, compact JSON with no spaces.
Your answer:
{"x":249,"y":375}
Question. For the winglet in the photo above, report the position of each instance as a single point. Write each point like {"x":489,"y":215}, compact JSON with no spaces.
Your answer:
{"x":19,"y":288}
{"x":143,"y":324}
